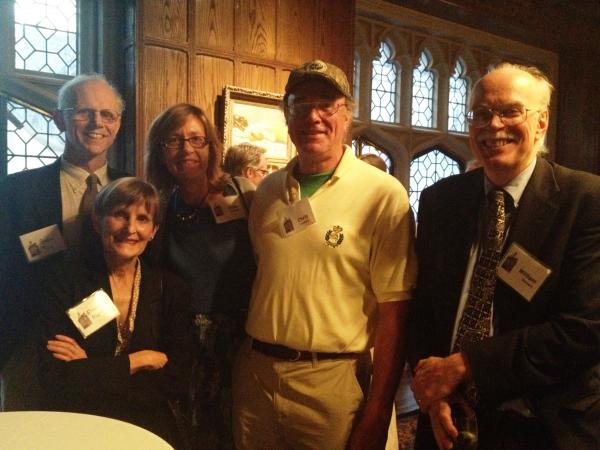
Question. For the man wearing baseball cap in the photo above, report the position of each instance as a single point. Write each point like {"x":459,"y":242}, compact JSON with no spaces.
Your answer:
{"x":334,"y":241}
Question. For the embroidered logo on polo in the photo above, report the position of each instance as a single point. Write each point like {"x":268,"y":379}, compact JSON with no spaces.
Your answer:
{"x":334,"y":237}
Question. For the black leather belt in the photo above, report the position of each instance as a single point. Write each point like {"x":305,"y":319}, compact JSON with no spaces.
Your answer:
{"x":289,"y":354}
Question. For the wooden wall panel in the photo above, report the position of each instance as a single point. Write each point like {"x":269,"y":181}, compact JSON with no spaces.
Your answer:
{"x":213,"y":43}
{"x":282,"y":80}
{"x":212,"y":74}
{"x":166,"y":19}
{"x":335,"y":26}
{"x":165,"y":81}
{"x":295,"y":42}
{"x":257,"y":76}
{"x":214,"y":21}
{"x":255,"y":26}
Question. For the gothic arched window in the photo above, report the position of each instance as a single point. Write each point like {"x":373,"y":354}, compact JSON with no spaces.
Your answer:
{"x":427,"y":168}
{"x":457,"y":99}
{"x":422,"y":93}
{"x":384,"y":86}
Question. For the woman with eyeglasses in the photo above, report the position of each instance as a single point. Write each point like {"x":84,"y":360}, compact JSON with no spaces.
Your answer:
{"x":205,"y":239}
{"x":131,"y":364}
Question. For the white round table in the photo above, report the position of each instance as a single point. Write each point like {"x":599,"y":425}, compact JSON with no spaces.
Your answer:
{"x":24,"y":430}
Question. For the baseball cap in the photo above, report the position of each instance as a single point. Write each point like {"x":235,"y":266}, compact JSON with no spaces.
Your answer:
{"x":320,"y":70}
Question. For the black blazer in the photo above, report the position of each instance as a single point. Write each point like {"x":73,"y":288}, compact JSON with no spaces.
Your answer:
{"x":29,"y":201}
{"x":546,"y":350}
{"x":101,"y":384}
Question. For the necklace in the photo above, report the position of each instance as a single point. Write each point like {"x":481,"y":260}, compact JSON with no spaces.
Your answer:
{"x":125,"y":328}
{"x":192,"y":213}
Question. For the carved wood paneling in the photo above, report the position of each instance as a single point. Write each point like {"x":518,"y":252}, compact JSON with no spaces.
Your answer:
{"x":334,"y":33}
{"x":212,"y":74}
{"x":255,"y":26}
{"x":214,"y":21}
{"x":295,"y":41}
{"x":251,"y":44}
{"x":165,"y":81}
{"x":165,"y":19}
{"x":260,"y":77}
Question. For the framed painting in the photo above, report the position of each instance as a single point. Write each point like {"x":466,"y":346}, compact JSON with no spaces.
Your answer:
{"x":256,"y":117}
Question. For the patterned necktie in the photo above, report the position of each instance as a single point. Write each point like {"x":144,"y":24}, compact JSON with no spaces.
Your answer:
{"x":476,"y":320}
{"x":89,"y":196}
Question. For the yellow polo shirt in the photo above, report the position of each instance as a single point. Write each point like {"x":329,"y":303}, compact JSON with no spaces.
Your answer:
{"x":318,"y":289}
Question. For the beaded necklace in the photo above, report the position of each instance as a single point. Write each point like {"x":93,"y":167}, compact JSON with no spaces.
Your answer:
{"x":125,"y":328}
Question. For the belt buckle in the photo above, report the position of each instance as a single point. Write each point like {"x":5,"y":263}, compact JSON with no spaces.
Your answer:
{"x":297,"y":357}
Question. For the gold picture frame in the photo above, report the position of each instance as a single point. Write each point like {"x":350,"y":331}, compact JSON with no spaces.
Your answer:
{"x":256,"y":117}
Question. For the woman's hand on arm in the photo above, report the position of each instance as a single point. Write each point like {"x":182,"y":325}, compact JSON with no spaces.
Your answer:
{"x":65,"y":348}
{"x":146,"y":360}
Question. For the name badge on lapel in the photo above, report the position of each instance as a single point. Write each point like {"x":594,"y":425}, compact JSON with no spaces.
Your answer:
{"x":522,"y":272}
{"x":93,"y":312}
{"x":226,"y":208}
{"x":40,"y":244}
{"x":295,"y":218}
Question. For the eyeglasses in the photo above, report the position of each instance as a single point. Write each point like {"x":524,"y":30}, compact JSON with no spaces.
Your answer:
{"x":325,"y":108}
{"x":86,"y":114}
{"x":263,"y":172}
{"x":510,"y":116}
{"x":176,"y":142}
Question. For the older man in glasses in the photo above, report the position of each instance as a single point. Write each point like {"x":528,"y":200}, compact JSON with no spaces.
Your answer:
{"x":506,"y":322}
{"x":44,"y":212}
{"x":334,"y":243}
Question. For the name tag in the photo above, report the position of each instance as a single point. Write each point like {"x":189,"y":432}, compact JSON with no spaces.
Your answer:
{"x":522,"y":272}
{"x":295,"y":218}
{"x":226,"y":208}
{"x":93,"y":312}
{"x":40,"y":244}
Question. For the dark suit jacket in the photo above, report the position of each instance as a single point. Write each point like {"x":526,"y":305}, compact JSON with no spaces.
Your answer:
{"x":29,"y":201}
{"x":546,"y":350}
{"x":101,"y":384}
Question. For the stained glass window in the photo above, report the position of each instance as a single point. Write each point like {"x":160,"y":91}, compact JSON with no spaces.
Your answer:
{"x":426,"y":169}
{"x":384,"y":93}
{"x":46,"y":36}
{"x":33,"y":140}
{"x":422,"y":100}
{"x":457,"y":99}
{"x":362,"y":146}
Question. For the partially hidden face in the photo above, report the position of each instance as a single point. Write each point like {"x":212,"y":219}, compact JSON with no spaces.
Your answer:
{"x":126,"y":231}
{"x":503,"y":149}
{"x":314,"y":132}
{"x":186,"y":162}
{"x":90,"y":138}
{"x":258,"y":173}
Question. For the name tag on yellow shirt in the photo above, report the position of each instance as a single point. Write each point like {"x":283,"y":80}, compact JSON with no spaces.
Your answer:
{"x":295,"y":218}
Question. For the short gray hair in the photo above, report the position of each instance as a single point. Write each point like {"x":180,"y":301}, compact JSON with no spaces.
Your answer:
{"x":66,"y":94}
{"x":240,"y":156}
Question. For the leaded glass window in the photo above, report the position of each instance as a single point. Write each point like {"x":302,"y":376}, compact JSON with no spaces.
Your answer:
{"x":33,"y":140}
{"x":423,"y":89}
{"x":384,"y":92}
{"x":457,"y":99}
{"x":426,"y":169}
{"x":46,"y":36}
{"x":362,"y":146}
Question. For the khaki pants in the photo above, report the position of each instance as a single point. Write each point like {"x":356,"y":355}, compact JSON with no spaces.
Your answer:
{"x":297,"y":405}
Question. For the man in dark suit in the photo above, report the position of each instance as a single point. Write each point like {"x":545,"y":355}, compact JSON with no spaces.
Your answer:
{"x":533,"y":376}
{"x":57,"y":196}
